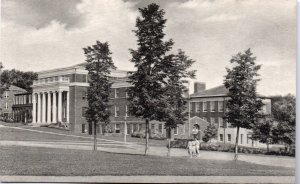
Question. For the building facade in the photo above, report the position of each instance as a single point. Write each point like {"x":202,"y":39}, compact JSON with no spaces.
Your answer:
{"x":210,"y":105}
{"x":60,"y":96}
{"x":22,"y":108}
{"x":7,"y":101}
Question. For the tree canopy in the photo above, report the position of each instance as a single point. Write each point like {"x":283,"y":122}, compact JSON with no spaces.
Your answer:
{"x":18,"y":78}
{"x":243,"y":106}
{"x":99,"y":65}
{"x":158,"y":82}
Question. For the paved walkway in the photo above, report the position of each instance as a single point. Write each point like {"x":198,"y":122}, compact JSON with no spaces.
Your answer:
{"x":134,"y":148}
{"x":151,"y":179}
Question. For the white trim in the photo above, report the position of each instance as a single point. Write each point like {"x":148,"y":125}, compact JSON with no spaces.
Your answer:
{"x":85,"y":84}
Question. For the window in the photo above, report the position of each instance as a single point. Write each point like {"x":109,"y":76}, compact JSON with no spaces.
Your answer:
{"x":134,"y":127}
{"x":192,"y":104}
{"x":117,"y":111}
{"x":84,"y":109}
{"x":204,"y":106}
{"x":117,"y":128}
{"x":126,"y":107}
{"x":212,"y":120}
{"x":128,"y":129}
{"x":6,"y":105}
{"x":220,"y":106}
{"x":83,"y":130}
{"x":242,"y":138}
{"x":248,"y":138}
{"x":176,"y":131}
{"x":212,"y":106}
{"x":84,"y":95}
{"x":160,"y":128}
{"x":126,"y":92}
{"x":152,"y":126}
{"x":264,"y":109}
{"x":198,"y":107}
{"x":141,"y":126}
{"x":221,"y":137}
{"x":221,"y":123}
{"x":56,"y":78}
{"x":229,"y":125}
{"x":116,"y":93}
{"x":229,"y":137}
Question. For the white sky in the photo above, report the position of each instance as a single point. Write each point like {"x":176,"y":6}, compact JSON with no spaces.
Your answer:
{"x":44,"y":34}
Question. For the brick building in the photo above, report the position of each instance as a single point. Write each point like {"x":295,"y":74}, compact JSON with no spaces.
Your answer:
{"x":210,"y":105}
{"x":22,"y":107}
{"x":7,"y":101}
{"x":60,"y":95}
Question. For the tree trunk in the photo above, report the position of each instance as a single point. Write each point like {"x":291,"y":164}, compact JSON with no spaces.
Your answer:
{"x":95,"y":136}
{"x":169,"y":142}
{"x":147,"y":137}
{"x":236,"y":144}
{"x":268,"y":147}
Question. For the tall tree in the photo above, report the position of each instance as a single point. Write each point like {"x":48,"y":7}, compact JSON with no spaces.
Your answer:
{"x":148,"y":98}
{"x":284,"y":112}
{"x":178,"y":72}
{"x":241,"y":81}
{"x":99,"y":66}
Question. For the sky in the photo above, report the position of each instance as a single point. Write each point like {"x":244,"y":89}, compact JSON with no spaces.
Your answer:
{"x":45,"y":34}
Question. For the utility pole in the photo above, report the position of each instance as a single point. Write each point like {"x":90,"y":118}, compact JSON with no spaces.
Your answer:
{"x":125,"y":129}
{"x":189,"y":109}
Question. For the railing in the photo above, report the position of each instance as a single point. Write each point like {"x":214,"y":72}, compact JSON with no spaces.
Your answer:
{"x":52,"y":80}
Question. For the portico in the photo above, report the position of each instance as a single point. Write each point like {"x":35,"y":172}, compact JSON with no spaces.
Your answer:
{"x":50,"y":106}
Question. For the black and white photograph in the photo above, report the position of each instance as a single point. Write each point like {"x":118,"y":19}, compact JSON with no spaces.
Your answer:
{"x":148,"y":91}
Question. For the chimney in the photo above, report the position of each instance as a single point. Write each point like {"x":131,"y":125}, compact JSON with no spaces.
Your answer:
{"x":199,"y":86}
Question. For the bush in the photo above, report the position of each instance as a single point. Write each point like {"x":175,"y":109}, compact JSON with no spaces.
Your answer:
{"x":154,"y":134}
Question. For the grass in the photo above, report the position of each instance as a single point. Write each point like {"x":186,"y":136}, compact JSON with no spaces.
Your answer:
{"x":61,"y":162}
{"x":13,"y":134}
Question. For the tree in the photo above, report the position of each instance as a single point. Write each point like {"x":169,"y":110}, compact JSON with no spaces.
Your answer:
{"x":243,"y":105}
{"x":262,"y":131}
{"x":148,"y":98}
{"x":177,"y":73}
{"x":18,"y":78}
{"x":210,"y":132}
{"x":3,"y":87}
{"x":284,"y":112}
{"x":99,"y":65}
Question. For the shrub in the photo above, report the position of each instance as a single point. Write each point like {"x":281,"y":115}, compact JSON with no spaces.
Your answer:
{"x":153,"y":134}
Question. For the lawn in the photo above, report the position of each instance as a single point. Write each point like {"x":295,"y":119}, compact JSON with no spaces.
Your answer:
{"x":13,"y":134}
{"x":62,"y":162}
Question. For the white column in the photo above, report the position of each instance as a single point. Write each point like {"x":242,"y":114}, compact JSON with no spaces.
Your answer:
{"x":54,"y":108}
{"x":44,"y":108}
{"x":39,"y":108}
{"x":59,"y":106}
{"x":33,"y":108}
{"x":49,"y":107}
{"x":67,"y":108}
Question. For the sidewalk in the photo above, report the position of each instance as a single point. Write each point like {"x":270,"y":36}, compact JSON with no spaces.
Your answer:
{"x":150,"y":179}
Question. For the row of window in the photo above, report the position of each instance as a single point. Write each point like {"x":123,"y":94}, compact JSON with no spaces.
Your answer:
{"x":23,"y":99}
{"x":132,"y":127}
{"x":204,"y":106}
{"x":52,"y":79}
{"x":221,"y":138}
